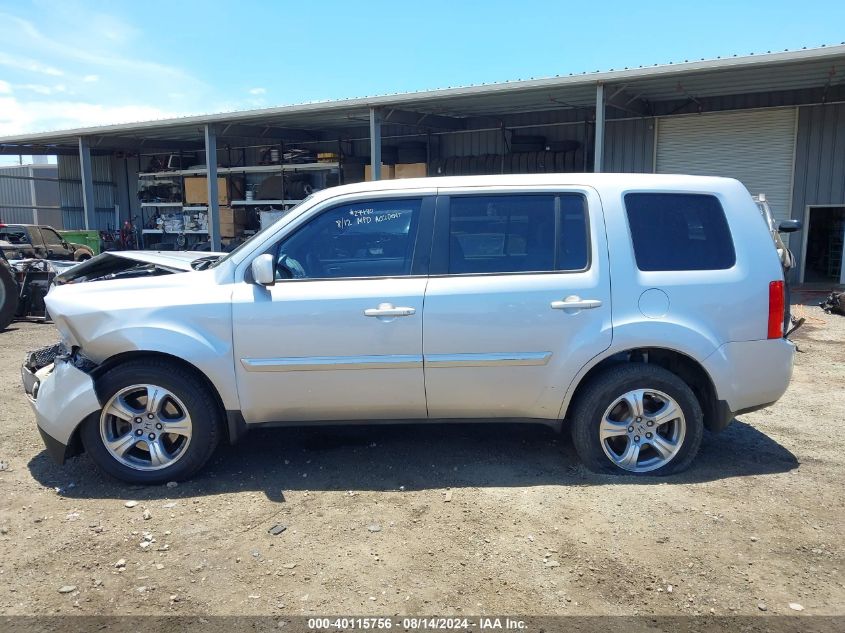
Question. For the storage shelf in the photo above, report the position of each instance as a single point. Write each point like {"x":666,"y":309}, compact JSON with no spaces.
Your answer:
{"x":251,"y":169}
{"x":160,"y":232}
{"x":185,"y":207}
{"x":258,"y":203}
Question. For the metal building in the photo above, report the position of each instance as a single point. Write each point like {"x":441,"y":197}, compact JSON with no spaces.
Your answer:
{"x":29,"y":194}
{"x":775,"y":121}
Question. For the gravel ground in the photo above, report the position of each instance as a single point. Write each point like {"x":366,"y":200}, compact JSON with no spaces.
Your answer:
{"x":466,"y":519}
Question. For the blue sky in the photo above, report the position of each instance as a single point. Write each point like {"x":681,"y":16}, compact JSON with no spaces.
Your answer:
{"x":73,"y":63}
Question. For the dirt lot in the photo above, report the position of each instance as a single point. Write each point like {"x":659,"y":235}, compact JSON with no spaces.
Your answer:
{"x":474,"y":519}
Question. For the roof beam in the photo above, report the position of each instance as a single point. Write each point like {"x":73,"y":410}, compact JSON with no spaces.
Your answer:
{"x":269,"y":132}
{"x":621,"y":99}
{"x":41,"y":150}
{"x":421,"y":119}
{"x":130,"y":143}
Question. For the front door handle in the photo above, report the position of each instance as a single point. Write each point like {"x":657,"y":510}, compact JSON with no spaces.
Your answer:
{"x":574,"y":302}
{"x":388,"y":310}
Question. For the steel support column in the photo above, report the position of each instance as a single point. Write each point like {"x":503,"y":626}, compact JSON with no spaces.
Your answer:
{"x":211,"y":166}
{"x":598,"y":150}
{"x":86,"y":175}
{"x":375,"y":143}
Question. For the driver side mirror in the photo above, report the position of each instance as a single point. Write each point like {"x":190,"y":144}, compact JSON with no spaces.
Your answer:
{"x":789,"y":226}
{"x":263,"y":269}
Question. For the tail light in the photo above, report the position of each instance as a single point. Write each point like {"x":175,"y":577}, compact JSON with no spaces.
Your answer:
{"x":776,"y":307}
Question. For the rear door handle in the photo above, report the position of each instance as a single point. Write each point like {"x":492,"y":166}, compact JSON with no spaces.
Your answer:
{"x":574,"y":302}
{"x":388,"y":310}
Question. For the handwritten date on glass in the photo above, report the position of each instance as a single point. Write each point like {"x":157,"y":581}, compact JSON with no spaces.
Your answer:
{"x":367,"y":216}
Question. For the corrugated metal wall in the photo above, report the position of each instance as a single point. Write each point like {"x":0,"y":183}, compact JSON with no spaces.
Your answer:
{"x":471,"y":143}
{"x":16,"y":191}
{"x":30,"y":186}
{"x":16,"y":215}
{"x":70,"y":192}
{"x":819,"y":164}
{"x":46,"y":193}
{"x":819,"y":157}
{"x":629,"y":146}
{"x":14,"y":188}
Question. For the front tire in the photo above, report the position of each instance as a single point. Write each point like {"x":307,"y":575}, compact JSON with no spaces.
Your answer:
{"x":637,"y":419}
{"x":159,"y":423}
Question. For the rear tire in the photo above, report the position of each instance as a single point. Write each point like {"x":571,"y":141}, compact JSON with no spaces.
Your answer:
{"x":160,"y":423}
{"x":637,"y":419}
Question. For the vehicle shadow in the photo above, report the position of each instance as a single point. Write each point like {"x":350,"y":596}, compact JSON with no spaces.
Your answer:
{"x":412,"y":457}
{"x":811,"y":294}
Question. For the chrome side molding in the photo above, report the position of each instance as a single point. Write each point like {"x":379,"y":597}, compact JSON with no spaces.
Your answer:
{"x":332,"y":363}
{"x":505,"y":359}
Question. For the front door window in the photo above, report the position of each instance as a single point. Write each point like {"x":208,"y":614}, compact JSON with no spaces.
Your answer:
{"x":354,"y":240}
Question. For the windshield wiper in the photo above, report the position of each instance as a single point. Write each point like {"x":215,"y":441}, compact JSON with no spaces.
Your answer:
{"x":204,"y":262}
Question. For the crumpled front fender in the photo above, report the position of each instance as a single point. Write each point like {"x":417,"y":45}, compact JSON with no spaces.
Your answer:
{"x":64,"y":397}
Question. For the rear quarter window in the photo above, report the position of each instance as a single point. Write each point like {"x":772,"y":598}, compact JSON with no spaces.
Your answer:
{"x":675,"y":231}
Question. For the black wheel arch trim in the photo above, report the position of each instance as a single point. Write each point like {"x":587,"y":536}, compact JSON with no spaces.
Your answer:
{"x":59,"y":452}
{"x":717,"y":414}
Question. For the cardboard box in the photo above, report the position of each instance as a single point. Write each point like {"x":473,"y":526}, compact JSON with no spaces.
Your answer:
{"x":196,"y":190}
{"x":387,"y":172}
{"x":235,"y":215}
{"x":232,"y":221}
{"x":412,"y":170}
{"x":230,"y":229}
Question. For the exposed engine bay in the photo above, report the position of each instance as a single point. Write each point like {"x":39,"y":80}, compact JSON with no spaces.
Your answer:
{"x":34,"y":278}
{"x":24,"y":283}
{"x":128,"y":264}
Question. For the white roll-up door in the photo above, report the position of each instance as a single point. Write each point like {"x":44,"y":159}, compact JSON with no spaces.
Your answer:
{"x":756,"y":147}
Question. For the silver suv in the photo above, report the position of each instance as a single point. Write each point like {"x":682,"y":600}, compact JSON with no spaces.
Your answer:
{"x":640,"y":309}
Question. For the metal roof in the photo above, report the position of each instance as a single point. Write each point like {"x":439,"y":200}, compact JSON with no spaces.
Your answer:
{"x":814,"y":67}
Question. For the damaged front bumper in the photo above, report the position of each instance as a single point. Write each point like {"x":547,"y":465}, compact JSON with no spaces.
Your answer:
{"x":61,"y":394}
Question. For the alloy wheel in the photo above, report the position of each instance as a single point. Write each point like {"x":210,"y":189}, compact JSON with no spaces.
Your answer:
{"x":145,"y":427}
{"x":642,"y":430}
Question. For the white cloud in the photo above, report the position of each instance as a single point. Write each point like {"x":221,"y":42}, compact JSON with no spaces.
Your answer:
{"x":37,"y":88}
{"x":30,"y":37}
{"x":18,"y":117}
{"x":28,"y":65}
{"x":77,"y":69}
{"x":42,"y":89}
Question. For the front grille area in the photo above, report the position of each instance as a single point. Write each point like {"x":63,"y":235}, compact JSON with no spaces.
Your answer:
{"x":43,"y":356}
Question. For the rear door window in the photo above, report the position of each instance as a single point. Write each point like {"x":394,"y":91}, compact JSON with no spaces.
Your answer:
{"x":678,"y":231}
{"x":517,"y":233}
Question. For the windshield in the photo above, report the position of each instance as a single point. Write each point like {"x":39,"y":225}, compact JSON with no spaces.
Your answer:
{"x":257,"y":236}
